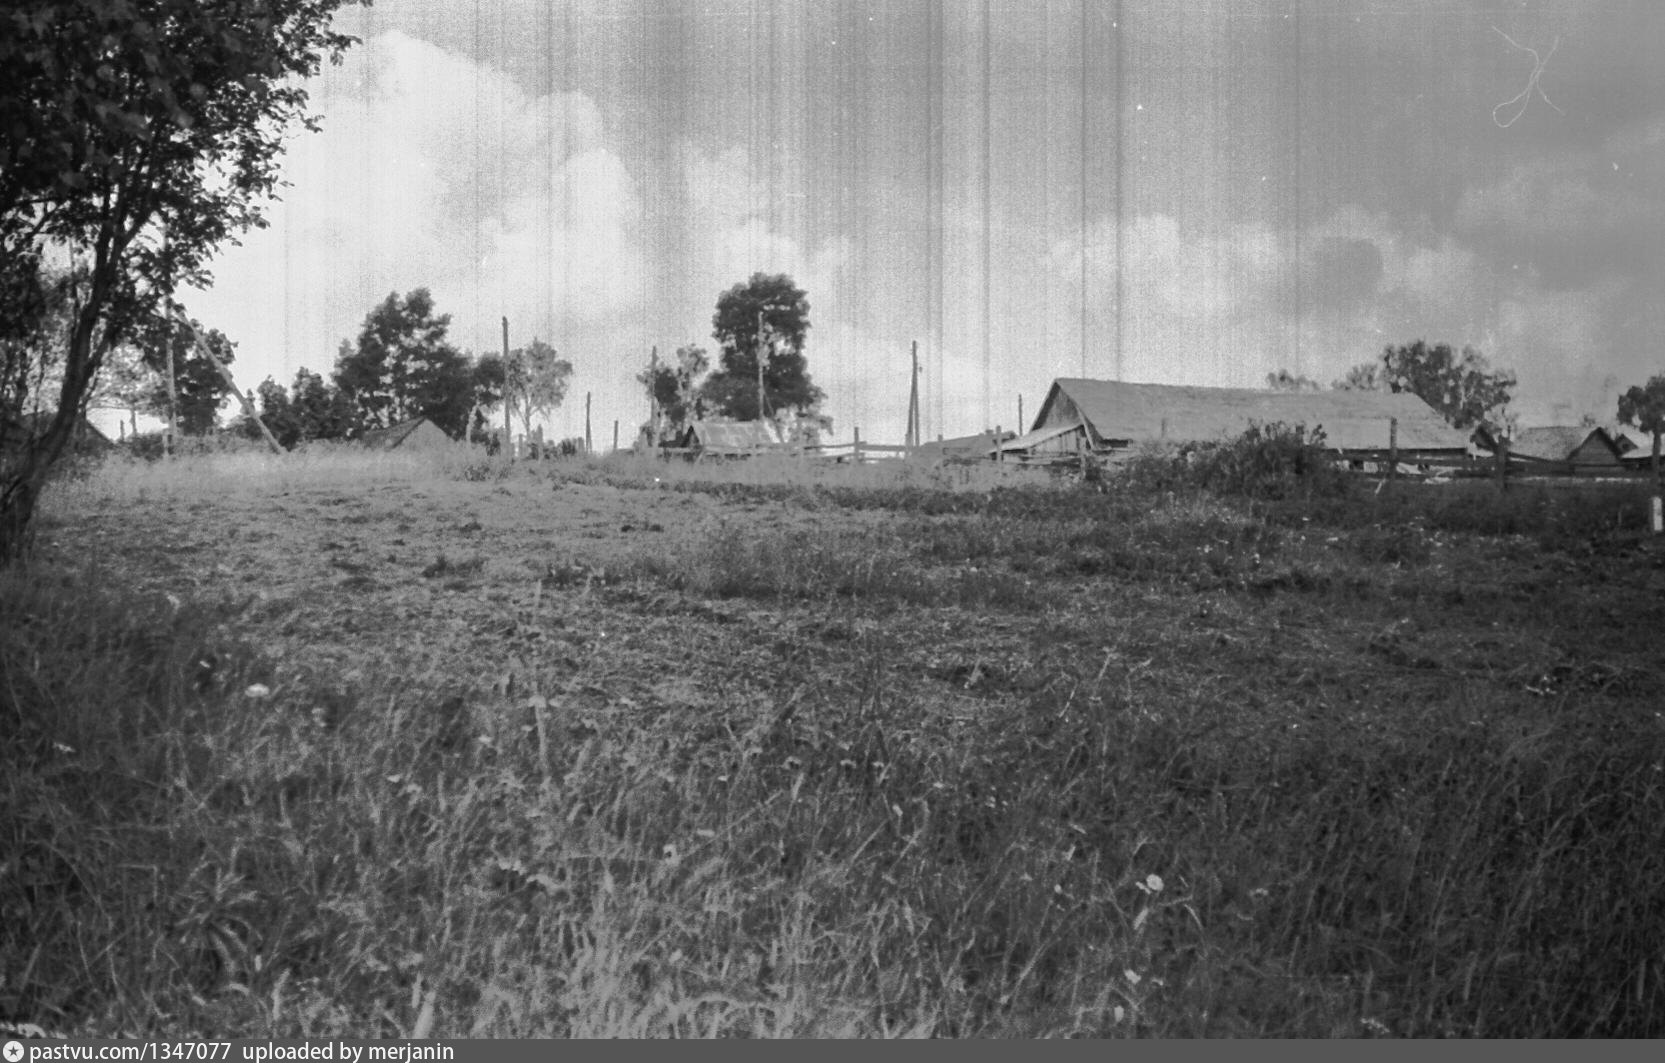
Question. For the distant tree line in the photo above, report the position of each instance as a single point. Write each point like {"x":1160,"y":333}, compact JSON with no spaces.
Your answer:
{"x":403,"y":366}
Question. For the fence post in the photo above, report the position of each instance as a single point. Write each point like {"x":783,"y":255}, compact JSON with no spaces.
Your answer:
{"x":1393,"y":450}
{"x":1502,"y":453}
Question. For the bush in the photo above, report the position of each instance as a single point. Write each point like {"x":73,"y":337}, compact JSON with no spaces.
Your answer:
{"x":1268,"y":462}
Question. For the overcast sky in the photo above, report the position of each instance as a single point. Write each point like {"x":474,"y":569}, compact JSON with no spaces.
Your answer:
{"x":1182,"y":192}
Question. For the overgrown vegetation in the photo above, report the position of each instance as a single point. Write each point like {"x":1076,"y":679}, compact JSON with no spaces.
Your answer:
{"x":941,"y":757}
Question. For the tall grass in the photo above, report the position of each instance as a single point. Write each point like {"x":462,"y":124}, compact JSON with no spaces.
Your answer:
{"x":1160,"y":770}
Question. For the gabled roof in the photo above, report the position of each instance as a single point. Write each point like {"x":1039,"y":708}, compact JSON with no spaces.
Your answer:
{"x":1352,"y":420}
{"x":1036,"y":437}
{"x":397,"y":435}
{"x":982,"y":444}
{"x":1557,"y":442}
{"x":731,"y":435}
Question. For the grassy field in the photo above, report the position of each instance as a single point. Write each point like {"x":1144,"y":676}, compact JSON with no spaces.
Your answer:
{"x":352,"y":745}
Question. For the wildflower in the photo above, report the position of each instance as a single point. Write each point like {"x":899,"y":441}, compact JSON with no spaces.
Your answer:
{"x":1152,"y":884}
{"x":257,"y":691}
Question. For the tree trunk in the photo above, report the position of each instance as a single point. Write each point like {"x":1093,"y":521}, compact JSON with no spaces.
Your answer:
{"x":24,"y":478}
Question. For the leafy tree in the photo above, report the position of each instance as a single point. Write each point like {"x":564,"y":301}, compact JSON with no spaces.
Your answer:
{"x":404,"y":367}
{"x":323,"y":411}
{"x":1644,"y":407}
{"x":1284,"y":380}
{"x":1463,"y":388}
{"x":139,"y":135}
{"x":1366,"y":376}
{"x":35,"y":311}
{"x":276,"y":411}
{"x":308,"y":411}
{"x":198,"y":385}
{"x":765,"y":319}
{"x":675,"y":389}
{"x":486,"y":391}
{"x":536,"y":381}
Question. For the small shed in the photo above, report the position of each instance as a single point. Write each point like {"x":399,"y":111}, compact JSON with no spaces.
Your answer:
{"x":730,"y":438}
{"x":1565,"y":449}
{"x":1362,"y":425}
{"x":418,"y":433}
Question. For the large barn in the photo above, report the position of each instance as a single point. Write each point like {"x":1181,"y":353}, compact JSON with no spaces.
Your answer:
{"x":1110,"y":415}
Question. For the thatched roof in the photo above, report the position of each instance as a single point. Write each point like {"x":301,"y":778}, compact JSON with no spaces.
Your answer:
{"x":735,"y":436}
{"x":418,"y":432}
{"x":1118,"y":412}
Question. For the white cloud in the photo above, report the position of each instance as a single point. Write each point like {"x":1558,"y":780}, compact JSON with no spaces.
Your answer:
{"x":432,"y":171}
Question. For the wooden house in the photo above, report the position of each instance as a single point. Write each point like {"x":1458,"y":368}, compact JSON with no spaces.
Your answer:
{"x":1107,"y":416}
{"x":418,"y":433}
{"x":1564,"y":449}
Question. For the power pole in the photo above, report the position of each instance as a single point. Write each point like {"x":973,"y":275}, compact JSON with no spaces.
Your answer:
{"x":653,"y":397}
{"x":508,"y":425}
{"x":760,"y":410}
{"x":588,"y":450}
{"x":912,"y":439}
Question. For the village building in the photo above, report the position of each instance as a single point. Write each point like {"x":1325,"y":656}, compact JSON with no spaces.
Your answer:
{"x":716,"y":438}
{"x":85,"y":439}
{"x":1109,"y":416}
{"x":979,"y":447}
{"x":416,"y":434}
{"x":1558,"y":450}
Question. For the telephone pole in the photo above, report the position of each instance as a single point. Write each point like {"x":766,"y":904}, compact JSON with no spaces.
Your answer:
{"x":508,"y":425}
{"x":760,"y":407}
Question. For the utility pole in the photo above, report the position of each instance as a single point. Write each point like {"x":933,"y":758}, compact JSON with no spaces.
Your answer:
{"x":761,"y":414}
{"x":653,"y":397}
{"x":912,"y":439}
{"x":508,"y":425}
{"x":1020,"y":422}
{"x":588,"y":450}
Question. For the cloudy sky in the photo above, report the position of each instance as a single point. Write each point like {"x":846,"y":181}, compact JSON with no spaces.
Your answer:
{"x":1184,"y":192}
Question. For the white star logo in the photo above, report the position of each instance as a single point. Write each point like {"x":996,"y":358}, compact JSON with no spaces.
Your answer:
{"x":13,"y":1051}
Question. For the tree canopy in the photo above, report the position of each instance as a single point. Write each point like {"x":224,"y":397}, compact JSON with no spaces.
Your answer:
{"x":675,"y":388}
{"x":1464,"y":388}
{"x":765,"y":318}
{"x":138,"y":136}
{"x":1644,"y":407}
{"x":1284,"y":380}
{"x":535,"y":379}
{"x":403,"y":366}
{"x":198,"y":386}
